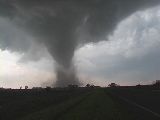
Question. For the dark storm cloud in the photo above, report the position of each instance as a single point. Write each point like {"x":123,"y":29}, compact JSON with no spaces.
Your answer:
{"x":61,"y":25}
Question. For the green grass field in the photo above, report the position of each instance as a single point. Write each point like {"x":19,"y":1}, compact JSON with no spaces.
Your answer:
{"x":94,"y":105}
{"x":79,"y":104}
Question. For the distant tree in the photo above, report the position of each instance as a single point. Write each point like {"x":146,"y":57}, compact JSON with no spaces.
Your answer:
{"x":157,"y":83}
{"x":26,"y":87}
{"x":88,"y":85}
{"x":92,"y":86}
{"x":48,"y":88}
{"x":113,"y":85}
{"x":139,"y":86}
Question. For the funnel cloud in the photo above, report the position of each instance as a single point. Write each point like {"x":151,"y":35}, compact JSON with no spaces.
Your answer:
{"x":61,"y":26}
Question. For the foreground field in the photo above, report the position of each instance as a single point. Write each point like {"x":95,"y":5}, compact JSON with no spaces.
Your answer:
{"x":15,"y":104}
{"x":96,"y":105}
{"x":77,"y":104}
{"x":141,"y":104}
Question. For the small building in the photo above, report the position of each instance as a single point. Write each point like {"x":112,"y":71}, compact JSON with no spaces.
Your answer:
{"x":37,"y":88}
{"x":92,"y":86}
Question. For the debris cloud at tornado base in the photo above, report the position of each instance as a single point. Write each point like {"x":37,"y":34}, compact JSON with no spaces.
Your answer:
{"x":62,"y":25}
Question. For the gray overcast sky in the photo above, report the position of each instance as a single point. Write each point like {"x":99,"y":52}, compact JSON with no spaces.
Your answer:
{"x":130,"y":56}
